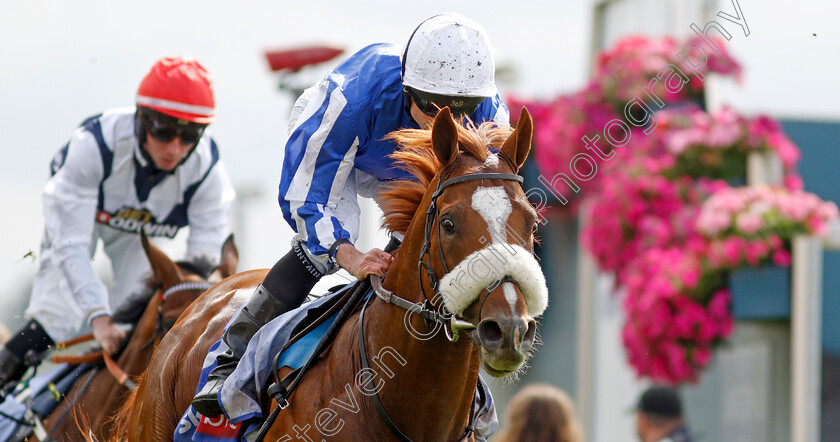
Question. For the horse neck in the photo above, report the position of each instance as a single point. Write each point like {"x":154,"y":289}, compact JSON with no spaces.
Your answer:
{"x":441,"y":375}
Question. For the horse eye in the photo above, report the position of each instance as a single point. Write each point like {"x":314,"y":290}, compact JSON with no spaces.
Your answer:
{"x":448,"y":225}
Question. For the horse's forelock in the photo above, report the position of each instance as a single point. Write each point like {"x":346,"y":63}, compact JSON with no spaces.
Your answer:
{"x":415,"y":155}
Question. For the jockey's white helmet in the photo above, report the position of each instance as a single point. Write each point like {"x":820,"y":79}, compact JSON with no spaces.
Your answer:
{"x":449,"y":54}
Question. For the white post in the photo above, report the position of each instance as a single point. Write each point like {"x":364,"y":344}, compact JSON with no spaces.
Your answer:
{"x":806,"y":339}
{"x":586,"y":300}
{"x":764,"y":168}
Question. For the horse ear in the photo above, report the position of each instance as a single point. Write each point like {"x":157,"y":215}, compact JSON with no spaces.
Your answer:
{"x":230,"y":258}
{"x":518,"y":145}
{"x":162,"y":266}
{"x":445,"y":136}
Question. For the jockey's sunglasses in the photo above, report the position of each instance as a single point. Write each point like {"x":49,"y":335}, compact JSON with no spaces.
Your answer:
{"x":430,"y":104}
{"x":164,"y":128}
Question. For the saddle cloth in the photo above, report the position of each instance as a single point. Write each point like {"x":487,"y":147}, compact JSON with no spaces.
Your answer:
{"x":242,"y":393}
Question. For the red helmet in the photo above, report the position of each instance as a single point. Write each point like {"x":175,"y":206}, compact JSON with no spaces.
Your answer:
{"x":179,"y":87}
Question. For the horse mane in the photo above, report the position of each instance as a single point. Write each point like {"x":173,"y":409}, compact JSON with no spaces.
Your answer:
{"x":130,"y":311}
{"x":415,"y":155}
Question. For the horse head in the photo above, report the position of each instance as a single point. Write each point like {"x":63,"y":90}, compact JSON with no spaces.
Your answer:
{"x":475,"y":242}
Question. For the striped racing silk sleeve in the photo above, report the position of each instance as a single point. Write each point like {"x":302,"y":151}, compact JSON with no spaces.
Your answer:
{"x":318,"y":162}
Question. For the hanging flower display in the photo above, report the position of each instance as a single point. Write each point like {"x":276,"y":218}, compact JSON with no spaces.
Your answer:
{"x":621,"y":74}
{"x":749,"y":225}
{"x":661,"y":216}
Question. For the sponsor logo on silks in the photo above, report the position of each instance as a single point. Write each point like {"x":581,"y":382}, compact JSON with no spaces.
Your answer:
{"x":132,"y":220}
{"x":218,"y":427}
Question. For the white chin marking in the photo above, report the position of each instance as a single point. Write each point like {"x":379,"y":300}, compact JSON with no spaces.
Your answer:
{"x":484,"y":269}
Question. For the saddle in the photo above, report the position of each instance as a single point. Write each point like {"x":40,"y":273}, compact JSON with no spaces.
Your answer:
{"x":312,"y":336}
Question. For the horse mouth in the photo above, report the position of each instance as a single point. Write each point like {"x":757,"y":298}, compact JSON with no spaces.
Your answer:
{"x":494,"y":372}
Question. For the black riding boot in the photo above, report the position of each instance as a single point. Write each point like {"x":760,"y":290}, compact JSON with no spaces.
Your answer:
{"x":21,"y":351}
{"x":285,"y":287}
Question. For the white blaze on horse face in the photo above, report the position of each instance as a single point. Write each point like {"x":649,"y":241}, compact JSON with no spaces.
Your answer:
{"x":510,"y":295}
{"x":493,"y":205}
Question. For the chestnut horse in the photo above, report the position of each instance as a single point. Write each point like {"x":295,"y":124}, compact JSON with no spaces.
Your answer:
{"x":97,"y":404}
{"x":464,"y":207}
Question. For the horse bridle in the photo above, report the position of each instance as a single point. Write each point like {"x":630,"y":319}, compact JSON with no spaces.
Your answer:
{"x":160,"y":327}
{"x":451,"y":322}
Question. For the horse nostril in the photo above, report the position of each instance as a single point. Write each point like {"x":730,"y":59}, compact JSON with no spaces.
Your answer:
{"x":528,"y":339}
{"x":490,"y":334}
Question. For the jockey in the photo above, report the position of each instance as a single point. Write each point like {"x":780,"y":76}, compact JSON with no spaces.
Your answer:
{"x":153,"y":167}
{"x":336,"y":151}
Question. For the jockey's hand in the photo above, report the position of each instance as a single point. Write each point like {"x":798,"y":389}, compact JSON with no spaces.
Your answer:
{"x":107,"y":334}
{"x":359,"y":264}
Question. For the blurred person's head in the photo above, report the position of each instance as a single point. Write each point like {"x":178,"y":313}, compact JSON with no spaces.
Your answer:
{"x":658,"y":414}
{"x":541,"y":413}
{"x":175,"y":103}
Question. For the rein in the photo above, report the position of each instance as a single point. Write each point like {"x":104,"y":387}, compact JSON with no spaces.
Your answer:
{"x":380,"y":409}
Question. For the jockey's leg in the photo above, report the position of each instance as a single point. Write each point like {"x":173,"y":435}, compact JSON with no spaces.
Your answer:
{"x":284,"y":288}
{"x":21,"y":351}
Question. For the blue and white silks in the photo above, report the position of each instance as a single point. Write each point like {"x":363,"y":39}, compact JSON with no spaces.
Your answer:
{"x":336,"y":148}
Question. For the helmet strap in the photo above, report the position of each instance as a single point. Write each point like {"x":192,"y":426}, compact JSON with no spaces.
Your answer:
{"x":140,"y":133}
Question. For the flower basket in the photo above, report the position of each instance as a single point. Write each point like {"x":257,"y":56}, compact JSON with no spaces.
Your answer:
{"x":761,"y":293}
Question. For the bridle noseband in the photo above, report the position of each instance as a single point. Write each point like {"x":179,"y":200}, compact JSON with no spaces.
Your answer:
{"x":160,"y":327}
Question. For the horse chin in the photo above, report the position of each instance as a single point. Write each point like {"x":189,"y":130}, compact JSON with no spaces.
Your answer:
{"x":498,"y":367}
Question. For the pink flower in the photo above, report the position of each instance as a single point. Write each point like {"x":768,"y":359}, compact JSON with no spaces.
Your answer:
{"x":719,"y":304}
{"x":732,"y":248}
{"x":702,"y":356}
{"x":749,"y":223}
{"x":794,"y":182}
{"x":690,"y":278}
{"x":781,"y":257}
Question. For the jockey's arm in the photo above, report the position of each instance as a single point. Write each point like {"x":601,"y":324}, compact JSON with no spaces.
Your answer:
{"x":70,"y":205}
{"x":317,"y":188}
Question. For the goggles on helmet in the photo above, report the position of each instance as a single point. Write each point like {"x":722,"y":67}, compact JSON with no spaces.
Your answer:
{"x":164,"y":128}
{"x":430,"y":104}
